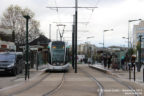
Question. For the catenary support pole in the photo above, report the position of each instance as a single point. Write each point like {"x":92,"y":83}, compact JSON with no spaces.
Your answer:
{"x":73,"y":47}
{"x":76,"y":19}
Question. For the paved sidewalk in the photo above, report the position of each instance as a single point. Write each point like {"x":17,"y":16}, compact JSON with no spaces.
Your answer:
{"x":34,"y":72}
{"x":121,"y":74}
{"x":40,"y":68}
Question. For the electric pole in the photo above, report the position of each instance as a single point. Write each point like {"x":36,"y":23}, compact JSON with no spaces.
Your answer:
{"x":76,"y":19}
{"x":73,"y":30}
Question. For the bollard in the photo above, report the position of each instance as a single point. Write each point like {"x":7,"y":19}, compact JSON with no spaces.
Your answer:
{"x":134,"y":72}
{"x":25,"y":71}
{"x":143,"y":74}
{"x":28,"y":70}
{"x":129,"y":72}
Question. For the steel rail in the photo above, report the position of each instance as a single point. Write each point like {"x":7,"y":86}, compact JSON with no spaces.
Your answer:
{"x":128,"y":86}
{"x":101,"y":88}
{"x":122,"y":83}
{"x":56,"y":88}
{"x":29,"y":87}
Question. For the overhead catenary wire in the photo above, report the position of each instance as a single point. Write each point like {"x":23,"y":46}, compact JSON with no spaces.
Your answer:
{"x":92,"y":11}
{"x":57,"y":15}
{"x":97,"y":1}
{"x":58,"y":25}
{"x":57,"y":10}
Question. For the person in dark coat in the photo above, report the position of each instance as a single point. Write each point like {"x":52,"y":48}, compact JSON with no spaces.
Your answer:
{"x":105,"y":60}
{"x":109,"y":61}
{"x":133,"y":58}
{"x":123,"y":62}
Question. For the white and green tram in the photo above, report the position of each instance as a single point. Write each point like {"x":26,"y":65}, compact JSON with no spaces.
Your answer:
{"x":58,"y":56}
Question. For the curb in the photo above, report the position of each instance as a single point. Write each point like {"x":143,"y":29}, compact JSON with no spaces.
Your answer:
{"x":103,"y":70}
{"x":113,"y":74}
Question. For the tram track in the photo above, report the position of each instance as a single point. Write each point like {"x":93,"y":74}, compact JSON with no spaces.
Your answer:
{"x":30,"y":86}
{"x":54,"y":90}
{"x":133,"y":90}
{"x":87,"y":82}
{"x":37,"y":85}
{"x":126,"y":85}
{"x":101,"y":88}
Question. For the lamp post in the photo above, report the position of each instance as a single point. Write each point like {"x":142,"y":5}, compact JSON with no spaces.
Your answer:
{"x":128,"y":40}
{"x":91,"y":47}
{"x":103,"y":35}
{"x":127,"y":62}
{"x":27,"y":17}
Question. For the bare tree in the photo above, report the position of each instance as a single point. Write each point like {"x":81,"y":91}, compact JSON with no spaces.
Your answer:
{"x":13,"y":17}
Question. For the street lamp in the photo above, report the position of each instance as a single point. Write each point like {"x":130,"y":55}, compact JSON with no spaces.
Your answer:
{"x":90,"y":48}
{"x":100,"y":43}
{"x":126,"y":38}
{"x":27,"y":17}
{"x":103,"y":35}
{"x":90,"y":37}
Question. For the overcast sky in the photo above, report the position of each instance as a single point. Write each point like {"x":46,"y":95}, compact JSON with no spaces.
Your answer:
{"x":110,"y":14}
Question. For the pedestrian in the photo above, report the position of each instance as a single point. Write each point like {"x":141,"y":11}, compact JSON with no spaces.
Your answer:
{"x":109,"y":60}
{"x":123,"y":63}
{"x":126,"y":61}
{"x":105,"y":60}
{"x":115,"y":62}
{"x":133,"y":58}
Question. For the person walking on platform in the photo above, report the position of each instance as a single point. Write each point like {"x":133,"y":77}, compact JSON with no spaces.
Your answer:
{"x":115,"y":62}
{"x":126,"y":61}
{"x":123,"y":63}
{"x":109,"y":60}
{"x":105,"y":60}
{"x":133,"y":58}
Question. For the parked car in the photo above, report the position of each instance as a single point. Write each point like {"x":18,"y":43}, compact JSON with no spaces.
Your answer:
{"x":11,"y":62}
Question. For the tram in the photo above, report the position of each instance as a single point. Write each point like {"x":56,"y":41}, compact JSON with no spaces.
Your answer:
{"x":58,"y":56}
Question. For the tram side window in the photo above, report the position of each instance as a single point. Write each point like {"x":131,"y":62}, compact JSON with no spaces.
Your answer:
{"x":49,"y":56}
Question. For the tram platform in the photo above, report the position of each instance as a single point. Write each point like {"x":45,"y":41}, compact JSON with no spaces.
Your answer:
{"x":121,"y":74}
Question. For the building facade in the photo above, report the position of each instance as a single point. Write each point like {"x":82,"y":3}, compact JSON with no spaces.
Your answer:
{"x":6,"y":43}
{"x":138,"y":30}
{"x":86,"y":49}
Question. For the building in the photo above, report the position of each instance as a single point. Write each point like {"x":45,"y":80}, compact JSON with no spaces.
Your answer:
{"x":39,"y":46}
{"x":81,"y":48}
{"x":86,"y":49}
{"x":138,"y":30}
{"x":6,"y":43}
